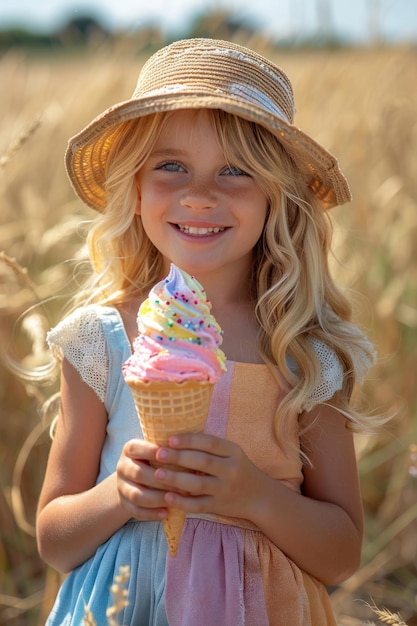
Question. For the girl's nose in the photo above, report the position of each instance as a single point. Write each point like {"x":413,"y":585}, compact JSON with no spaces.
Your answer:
{"x":199,"y":195}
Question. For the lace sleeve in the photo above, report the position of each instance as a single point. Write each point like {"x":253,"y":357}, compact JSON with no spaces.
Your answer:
{"x":80,"y":339}
{"x":331,"y":375}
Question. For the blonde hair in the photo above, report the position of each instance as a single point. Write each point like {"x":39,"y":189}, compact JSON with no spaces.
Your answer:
{"x":295,"y":296}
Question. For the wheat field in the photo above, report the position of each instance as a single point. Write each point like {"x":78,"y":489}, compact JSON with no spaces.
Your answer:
{"x":361,"y":104}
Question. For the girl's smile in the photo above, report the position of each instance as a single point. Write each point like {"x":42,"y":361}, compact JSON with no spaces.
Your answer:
{"x":199,"y":231}
{"x":203,"y":213}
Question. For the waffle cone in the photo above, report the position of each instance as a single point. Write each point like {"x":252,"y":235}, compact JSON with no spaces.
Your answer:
{"x":166,"y":409}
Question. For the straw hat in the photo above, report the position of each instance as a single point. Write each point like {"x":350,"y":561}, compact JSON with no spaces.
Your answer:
{"x":205,"y":73}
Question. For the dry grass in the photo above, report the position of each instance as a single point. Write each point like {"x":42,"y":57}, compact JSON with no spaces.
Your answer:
{"x":359,"y":103}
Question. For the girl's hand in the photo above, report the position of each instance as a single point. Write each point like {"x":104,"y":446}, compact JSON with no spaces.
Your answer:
{"x":222,"y":479}
{"x":140,"y":494}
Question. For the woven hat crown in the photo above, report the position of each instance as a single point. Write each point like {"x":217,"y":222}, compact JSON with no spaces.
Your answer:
{"x":220,"y":69}
{"x":205,"y":73}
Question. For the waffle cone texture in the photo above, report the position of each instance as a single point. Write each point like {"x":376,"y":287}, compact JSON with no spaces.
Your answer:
{"x":166,"y":409}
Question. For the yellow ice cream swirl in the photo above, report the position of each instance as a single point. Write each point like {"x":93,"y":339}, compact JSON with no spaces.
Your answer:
{"x":178,"y":309}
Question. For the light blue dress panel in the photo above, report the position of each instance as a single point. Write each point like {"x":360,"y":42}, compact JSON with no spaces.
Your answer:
{"x":141,"y":545}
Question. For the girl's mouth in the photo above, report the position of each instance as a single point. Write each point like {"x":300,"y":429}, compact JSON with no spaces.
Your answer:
{"x":199,"y":231}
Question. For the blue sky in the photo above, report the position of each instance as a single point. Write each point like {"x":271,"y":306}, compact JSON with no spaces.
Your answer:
{"x":395,"y":20}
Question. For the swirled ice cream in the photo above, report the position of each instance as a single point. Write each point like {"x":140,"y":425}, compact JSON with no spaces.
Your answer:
{"x":178,"y":336}
{"x":175,"y":362}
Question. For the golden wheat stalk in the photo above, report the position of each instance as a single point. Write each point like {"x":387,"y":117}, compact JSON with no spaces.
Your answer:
{"x":120,"y":601}
{"x":119,"y":593}
{"x":386,"y":617}
{"x":20,"y":272}
{"x":19,"y":142}
{"x":88,"y":619}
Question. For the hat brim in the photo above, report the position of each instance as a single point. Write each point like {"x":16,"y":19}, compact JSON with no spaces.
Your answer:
{"x":87,"y":151}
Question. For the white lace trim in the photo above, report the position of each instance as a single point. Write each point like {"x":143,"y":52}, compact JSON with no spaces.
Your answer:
{"x":80,"y":338}
{"x":331,"y":375}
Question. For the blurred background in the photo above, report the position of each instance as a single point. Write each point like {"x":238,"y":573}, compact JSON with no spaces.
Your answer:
{"x":353,"y":64}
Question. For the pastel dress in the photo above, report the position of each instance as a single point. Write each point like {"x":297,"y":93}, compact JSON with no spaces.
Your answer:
{"x":226,"y":572}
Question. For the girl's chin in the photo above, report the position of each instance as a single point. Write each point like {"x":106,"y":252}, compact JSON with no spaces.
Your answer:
{"x":195,"y":267}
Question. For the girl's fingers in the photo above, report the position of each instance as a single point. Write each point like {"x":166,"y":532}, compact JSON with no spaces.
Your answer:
{"x":185,"y":482}
{"x":146,"y":513}
{"x":202,"y":442}
{"x":140,"y":449}
{"x":198,"y":452}
{"x":194,"y":460}
{"x":134,"y":465}
{"x":201,"y":504}
{"x":140,"y":501}
{"x":198,"y":473}
{"x":223,"y":481}
{"x":139,"y":492}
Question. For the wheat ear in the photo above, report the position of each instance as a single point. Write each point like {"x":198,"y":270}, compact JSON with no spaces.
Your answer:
{"x":386,"y":617}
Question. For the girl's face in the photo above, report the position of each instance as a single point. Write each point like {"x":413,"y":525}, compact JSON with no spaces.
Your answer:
{"x":201,"y":213}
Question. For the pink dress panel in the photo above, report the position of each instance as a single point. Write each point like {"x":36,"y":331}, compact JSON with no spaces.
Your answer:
{"x":226,"y":571}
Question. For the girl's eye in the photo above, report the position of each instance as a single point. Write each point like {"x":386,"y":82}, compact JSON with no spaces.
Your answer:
{"x":171,"y":166}
{"x":231,"y":170}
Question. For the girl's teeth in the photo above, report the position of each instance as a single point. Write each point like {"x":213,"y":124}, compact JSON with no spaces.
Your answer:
{"x":194,"y":230}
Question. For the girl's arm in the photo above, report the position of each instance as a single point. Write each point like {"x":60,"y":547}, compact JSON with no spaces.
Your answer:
{"x":75,"y":516}
{"x":319,"y":529}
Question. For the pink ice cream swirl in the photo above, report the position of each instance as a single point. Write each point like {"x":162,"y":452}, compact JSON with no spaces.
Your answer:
{"x":178,"y":336}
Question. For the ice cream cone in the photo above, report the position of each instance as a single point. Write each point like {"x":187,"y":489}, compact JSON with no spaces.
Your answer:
{"x":166,"y":409}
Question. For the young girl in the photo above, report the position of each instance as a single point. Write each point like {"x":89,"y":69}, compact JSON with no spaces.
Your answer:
{"x":203,"y":167}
